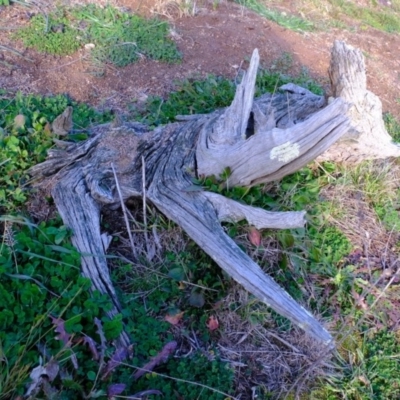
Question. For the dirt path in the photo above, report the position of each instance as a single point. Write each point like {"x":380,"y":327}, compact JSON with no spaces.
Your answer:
{"x":217,"y":40}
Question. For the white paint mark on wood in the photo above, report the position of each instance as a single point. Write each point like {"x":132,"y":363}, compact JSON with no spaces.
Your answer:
{"x":286,"y":152}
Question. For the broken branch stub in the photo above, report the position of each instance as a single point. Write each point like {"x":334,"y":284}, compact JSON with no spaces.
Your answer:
{"x":367,"y":139}
{"x":259,"y":141}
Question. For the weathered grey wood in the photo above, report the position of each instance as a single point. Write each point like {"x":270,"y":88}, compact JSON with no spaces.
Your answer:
{"x":81,"y":213}
{"x":368,"y":137}
{"x":260,"y":141}
{"x":267,"y":156}
{"x":231,"y":211}
{"x":83,"y":186}
{"x":196,"y":214}
{"x":231,"y":125}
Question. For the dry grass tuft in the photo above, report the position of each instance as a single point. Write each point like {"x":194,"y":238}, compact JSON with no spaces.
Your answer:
{"x":267,"y":255}
{"x":175,"y":8}
{"x":352,"y":211}
{"x":280,"y":362}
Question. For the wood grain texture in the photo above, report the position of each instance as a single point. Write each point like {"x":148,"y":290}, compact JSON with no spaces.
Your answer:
{"x":259,"y":140}
{"x":367,"y":138}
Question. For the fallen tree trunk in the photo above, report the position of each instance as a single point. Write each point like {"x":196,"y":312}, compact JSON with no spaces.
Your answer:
{"x":259,"y":140}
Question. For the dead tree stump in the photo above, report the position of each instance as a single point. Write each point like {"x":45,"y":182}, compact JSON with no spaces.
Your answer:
{"x":288,"y":129}
{"x":367,"y":139}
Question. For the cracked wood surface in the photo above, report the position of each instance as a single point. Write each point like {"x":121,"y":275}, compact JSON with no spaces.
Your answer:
{"x":288,"y":129}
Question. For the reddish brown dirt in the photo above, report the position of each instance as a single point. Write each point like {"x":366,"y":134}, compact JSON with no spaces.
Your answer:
{"x":215,"y":40}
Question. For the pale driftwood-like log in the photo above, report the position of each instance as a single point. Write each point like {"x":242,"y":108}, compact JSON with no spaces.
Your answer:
{"x":259,"y":141}
{"x":270,"y":155}
{"x":368,"y":137}
{"x":81,"y":213}
{"x":232,"y":211}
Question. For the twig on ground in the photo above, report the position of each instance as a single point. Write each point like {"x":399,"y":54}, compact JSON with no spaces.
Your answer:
{"x":146,"y":237}
{"x":65,"y":64}
{"x":12,"y":50}
{"x":124,"y":212}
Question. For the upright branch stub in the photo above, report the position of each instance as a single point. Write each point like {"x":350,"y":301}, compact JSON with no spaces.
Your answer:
{"x":232,"y":124}
{"x":367,"y":137}
{"x":289,"y":129}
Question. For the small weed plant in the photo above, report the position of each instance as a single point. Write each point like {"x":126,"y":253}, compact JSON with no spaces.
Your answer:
{"x":392,"y":126}
{"x":370,"y":369}
{"x":50,"y":34}
{"x":25,"y":137}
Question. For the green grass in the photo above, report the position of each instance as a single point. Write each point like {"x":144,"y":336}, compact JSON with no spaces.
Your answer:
{"x":203,"y":96}
{"x":40,"y":276}
{"x":393,"y":126}
{"x":40,"y":279}
{"x":370,"y":369}
{"x":197,"y":376}
{"x":291,"y":22}
{"x":319,"y":15}
{"x":376,"y":184}
{"x":118,"y":38}
{"x":344,"y":14}
{"x":50,"y":34}
{"x":374,"y":16}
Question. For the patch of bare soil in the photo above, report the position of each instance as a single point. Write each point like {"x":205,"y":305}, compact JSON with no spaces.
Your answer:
{"x":216,"y":40}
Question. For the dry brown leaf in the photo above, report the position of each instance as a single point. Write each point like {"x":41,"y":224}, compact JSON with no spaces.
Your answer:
{"x":364,"y":380}
{"x":212,"y":323}
{"x":59,"y":324}
{"x":115,"y":389}
{"x":47,"y":129}
{"x":120,"y":355}
{"x":254,"y":237}
{"x":92,"y":347}
{"x":174,"y":319}
{"x":161,"y":357}
{"x":181,"y":286}
{"x":360,"y":300}
{"x":63,"y":123}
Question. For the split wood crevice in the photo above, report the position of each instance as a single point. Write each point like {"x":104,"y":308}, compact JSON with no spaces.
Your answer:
{"x":260,"y":140}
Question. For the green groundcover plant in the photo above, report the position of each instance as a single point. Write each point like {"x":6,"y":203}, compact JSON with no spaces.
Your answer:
{"x":115,"y":37}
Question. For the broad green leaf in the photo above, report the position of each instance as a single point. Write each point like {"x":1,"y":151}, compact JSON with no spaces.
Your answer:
{"x":196,"y":298}
{"x":178,"y":274}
